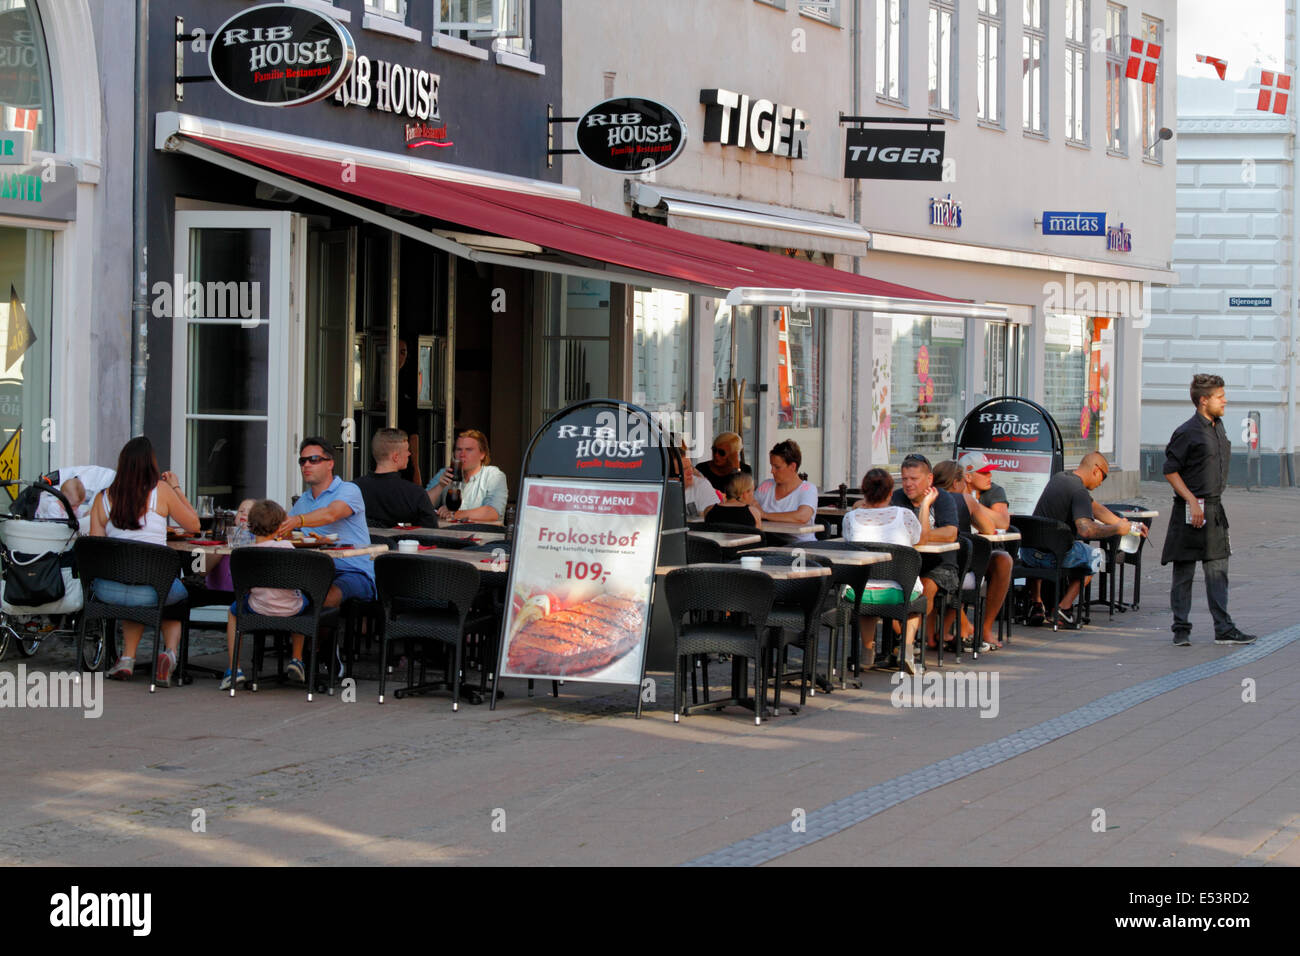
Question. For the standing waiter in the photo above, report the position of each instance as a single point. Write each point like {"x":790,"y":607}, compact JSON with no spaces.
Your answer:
{"x":1196,"y":464}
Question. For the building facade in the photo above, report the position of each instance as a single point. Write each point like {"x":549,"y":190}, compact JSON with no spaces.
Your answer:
{"x":863,"y":387}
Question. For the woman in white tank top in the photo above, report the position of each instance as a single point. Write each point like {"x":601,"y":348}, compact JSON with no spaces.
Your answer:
{"x":153,"y":497}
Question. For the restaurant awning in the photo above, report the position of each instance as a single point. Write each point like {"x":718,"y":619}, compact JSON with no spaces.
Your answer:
{"x":639,"y":252}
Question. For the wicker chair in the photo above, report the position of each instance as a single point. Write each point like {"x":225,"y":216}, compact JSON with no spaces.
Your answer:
{"x":1055,"y":538}
{"x":305,"y":571}
{"x":130,"y":563}
{"x":426,"y":598}
{"x":903,"y":568}
{"x":706,"y":594}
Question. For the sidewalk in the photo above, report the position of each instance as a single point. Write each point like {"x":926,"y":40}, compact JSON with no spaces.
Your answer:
{"x":1191,"y":776}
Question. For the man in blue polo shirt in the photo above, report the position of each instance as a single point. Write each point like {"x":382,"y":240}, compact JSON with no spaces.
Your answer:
{"x":330,"y":505}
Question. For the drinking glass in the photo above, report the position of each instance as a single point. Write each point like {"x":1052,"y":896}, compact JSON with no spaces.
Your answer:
{"x":204,"y":508}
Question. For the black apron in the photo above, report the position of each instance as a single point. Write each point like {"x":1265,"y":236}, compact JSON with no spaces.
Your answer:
{"x":1206,"y":543}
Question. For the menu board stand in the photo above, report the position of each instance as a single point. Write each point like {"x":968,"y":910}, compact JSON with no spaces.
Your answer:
{"x":1023,"y":442}
{"x":593,"y":501}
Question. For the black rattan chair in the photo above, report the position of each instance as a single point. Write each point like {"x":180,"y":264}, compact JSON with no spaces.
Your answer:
{"x":130,"y":563}
{"x":837,"y":610}
{"x":727,"y":609}
{"x":703,"y":551}
{"x":1055,"y":538}
{"x":425,"y":598}
{"x":793,"y":621}
{"x":903,"y":568}
{"x":306,"y":571}
{"x":945,"y":600}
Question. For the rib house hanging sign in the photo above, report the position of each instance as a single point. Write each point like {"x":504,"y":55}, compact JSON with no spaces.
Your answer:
{"x":280,"y":55}
{"x":631,"y":135}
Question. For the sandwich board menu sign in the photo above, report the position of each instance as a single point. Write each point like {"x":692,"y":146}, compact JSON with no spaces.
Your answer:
{"x":1022,"y":441}
{"x":582,"y":572}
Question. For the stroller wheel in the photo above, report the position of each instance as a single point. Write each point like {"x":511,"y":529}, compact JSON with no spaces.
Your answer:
{"x":7,"y":637}
{"x":95,"y":655}
{"x":28,"y":643}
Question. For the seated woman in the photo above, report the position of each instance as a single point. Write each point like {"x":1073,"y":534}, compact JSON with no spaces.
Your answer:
{"x":264,"y":519}
{"x":739,"y":508}
{"x":483,"y":486}
{"x":875,"y":520}
{"x":786,"y":497}
{"x":135,"y":507}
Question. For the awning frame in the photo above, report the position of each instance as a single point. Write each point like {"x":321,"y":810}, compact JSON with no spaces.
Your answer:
{"x":863,"y":303}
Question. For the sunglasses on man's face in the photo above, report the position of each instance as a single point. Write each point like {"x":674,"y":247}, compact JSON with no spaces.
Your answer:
{"x":314,"y":459}
{"x":1103,"y":471}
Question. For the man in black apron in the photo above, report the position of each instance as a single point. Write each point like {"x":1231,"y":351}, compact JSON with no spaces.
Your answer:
{"x":1196,"y":465}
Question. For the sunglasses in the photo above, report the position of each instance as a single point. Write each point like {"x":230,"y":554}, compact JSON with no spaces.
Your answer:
{"x":1104,"y":472}
{"x":720,"y":451}
{"x":314,"y":459}
{"x":917,"y":458}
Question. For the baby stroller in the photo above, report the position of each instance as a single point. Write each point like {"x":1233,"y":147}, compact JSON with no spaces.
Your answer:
{"x":39,"y":590}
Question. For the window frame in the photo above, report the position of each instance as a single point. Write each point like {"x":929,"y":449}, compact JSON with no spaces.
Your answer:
{"x":812,"y":9}
{"x":378,"y":8}
{"x":1076,"y":52}
{"x":883,"y":61}
{"x":1116,"y":58}
{"x":1153,"y":30}
{"x":995,"y":77}
{"x":936,"y":10}
{"x":1030,"y":34}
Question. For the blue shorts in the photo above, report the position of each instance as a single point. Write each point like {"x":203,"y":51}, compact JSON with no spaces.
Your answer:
{"x":136,"y":595}
{"x":1079,"y":556}
{"x":234,"y":607}
{"x":355,"y":584}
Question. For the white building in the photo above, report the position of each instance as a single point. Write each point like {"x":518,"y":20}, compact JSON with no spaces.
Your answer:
{"x":1067,"y":132}
{"x":1234,"y":312}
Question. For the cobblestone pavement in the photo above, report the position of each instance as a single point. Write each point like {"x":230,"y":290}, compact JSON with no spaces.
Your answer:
{"x":1188,"y":774}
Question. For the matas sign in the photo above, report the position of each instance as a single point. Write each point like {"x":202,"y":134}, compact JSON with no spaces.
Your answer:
{"x":280,"y":55}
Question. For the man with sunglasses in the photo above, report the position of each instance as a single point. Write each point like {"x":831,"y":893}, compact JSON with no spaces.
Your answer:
{"x":1068,"y":499}
{"x":936,"y":511}
{"x":330,"y":505}
{"x":725,"y":462}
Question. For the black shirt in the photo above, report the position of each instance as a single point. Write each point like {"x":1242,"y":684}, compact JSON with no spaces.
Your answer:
{"x":963,"y":512}
{"x":1199,"y":451}
{"x":719,"y":482}
{"x":1065,"y":498}
{"x":996,"y":495}
{"x":943,"y":514}
{"x":722,"y":513}
{"x":391,"y":499}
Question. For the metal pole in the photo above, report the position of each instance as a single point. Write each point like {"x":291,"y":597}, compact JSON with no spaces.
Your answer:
{"x":1286,"y":473}
{"x":856,"y":41}
{"x":140,"y":226}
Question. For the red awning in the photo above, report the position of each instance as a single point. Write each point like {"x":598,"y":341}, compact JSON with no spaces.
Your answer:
{"x":572,"y":228}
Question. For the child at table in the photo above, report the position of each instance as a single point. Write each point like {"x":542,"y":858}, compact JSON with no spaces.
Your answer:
{"x":739,"y":507}
{"x":218,"y":579}
{"x":264,"y":519}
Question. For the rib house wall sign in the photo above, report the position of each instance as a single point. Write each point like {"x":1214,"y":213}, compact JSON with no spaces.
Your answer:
{"x":391,"y":88}
{"x":280,"y":55}
{"x":736,"y":119}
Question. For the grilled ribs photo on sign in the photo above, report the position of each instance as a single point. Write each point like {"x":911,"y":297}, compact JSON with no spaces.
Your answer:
{"x":578,"y":640}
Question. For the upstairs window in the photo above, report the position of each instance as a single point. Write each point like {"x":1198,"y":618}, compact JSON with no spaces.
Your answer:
{"x":1034,"y":68}
{"x":988,"y":62}
{"x":1076,"y":72}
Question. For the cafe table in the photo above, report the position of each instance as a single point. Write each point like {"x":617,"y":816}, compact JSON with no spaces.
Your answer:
{"x":938,"y":548}
{"x":442,"y":531}
{"x":212,"y":553}
{"x":775,"y":527}
{"x":999,"y":536}
{"x":727,"y":539}
{"x":1144,"y":514}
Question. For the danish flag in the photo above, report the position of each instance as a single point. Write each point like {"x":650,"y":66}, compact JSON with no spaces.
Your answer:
{"x":1220,"y":65}
{"x":22,"y":118}
{"x":1274,"y":92}
{"x":1142,"y":61}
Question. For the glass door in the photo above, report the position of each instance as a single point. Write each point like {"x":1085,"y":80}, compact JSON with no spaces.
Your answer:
{"x":735,"y":379}
{"x":331,"y":363}
{"x":233,"y":368}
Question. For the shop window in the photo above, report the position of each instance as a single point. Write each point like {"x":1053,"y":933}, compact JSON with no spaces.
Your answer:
{"x":799,"y":365}
{"x":1079,"y":357}
{"x":575,"y":343}
{"x":661,"y":349}
{"x":25,"y":93}
{"x":928,"y":377}
{"x":890,"y":45}
{"x":988,"y":62}
{"x":1116,"y":55}
{"x":26,"y":265}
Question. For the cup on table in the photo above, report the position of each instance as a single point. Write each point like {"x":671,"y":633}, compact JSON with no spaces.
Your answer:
{"x":753,"y":564}
{"x":408,"y":546}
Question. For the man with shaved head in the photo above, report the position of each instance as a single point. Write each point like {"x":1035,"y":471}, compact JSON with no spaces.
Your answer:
{"x":1068,"y":499}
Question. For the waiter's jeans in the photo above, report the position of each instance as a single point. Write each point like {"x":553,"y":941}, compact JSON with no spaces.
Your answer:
{"x":1216,"y":594}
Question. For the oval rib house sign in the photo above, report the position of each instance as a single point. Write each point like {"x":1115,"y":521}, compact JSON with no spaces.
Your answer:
{"x":280,"y":55}
{"x":631,"y":135}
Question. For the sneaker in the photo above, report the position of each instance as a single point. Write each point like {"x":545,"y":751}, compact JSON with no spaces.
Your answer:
{"x":1182,"y":639}
{"x":295,"y":671}
{"x":1235,"y":637}
{"x":166,"y":663}
{"x":124,"y":669}
{"x":1066,"y":617}
{"x":239,"y":679}
{"x":969,"y":644}
{"x":1037,"y":616}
